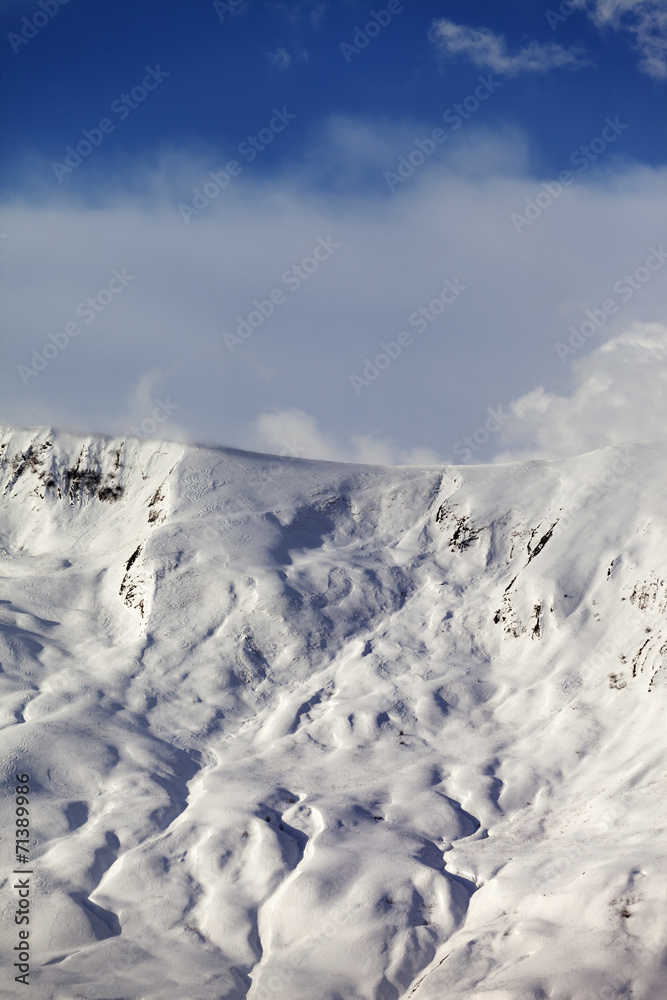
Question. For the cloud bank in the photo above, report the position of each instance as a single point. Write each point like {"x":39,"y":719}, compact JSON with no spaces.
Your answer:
{"x":252,"y":264}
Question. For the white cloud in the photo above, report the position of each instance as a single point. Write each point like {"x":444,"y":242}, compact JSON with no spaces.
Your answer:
{"x":646,"y":20}
{"x":296,"y":433}
{"x":619,"y":396}
{"x":279,"y":58}
{"x":489,"y":51}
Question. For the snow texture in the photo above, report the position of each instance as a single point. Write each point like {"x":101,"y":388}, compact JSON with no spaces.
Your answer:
{"x":311,"y":731}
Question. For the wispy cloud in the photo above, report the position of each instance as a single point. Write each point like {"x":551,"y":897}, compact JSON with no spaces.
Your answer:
{"x":281,"y":59}
{"x":317,"y":13}
{"x":490,"y":51}
{"x":646,"y":20}
{"x":296,"y":13}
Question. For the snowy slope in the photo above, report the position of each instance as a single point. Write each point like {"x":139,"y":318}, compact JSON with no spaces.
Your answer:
{"x":305,"y":730}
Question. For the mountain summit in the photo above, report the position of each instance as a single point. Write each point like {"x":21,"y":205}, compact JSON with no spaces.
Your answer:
{"x":300,"y":729}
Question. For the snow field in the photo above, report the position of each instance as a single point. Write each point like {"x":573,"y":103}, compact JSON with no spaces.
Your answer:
{"x":301,"y":729}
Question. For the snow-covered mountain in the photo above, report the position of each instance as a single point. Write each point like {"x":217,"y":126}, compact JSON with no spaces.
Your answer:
{"x":311,"y":731}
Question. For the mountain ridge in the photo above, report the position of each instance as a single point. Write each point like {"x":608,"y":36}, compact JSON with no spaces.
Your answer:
{"x":405,"y":705}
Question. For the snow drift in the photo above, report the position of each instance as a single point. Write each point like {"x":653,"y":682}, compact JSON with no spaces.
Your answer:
{"x":303,"y":730}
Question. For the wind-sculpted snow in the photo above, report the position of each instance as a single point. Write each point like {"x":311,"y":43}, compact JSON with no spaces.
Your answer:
{"x":303,"y":730}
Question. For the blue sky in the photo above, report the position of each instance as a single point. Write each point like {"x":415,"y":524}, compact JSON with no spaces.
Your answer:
{"x":359,"y":149}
